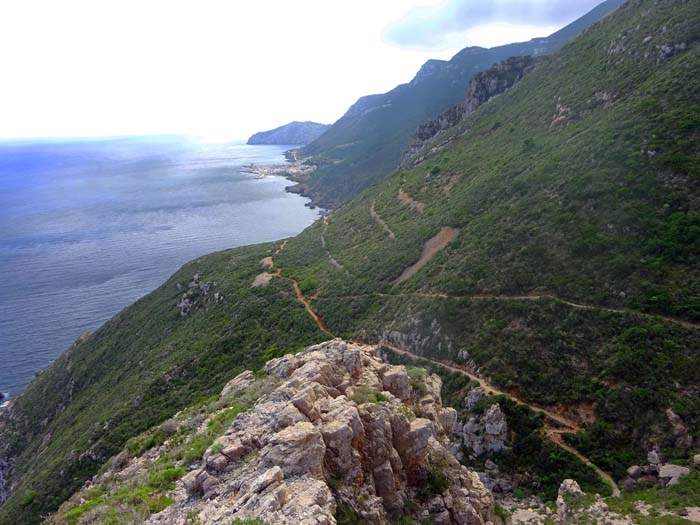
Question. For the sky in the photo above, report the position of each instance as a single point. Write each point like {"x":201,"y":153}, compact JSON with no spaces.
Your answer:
{"x":224,"y":69}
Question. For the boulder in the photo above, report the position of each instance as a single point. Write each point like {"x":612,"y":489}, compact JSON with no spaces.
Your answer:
{"x":672,"y":473}
{"x":298,"y":449}
{"x":270,"y":477}
{"x":397,"y":382}
{"x":634,"y":471}
{"x":570,"y":494}
{"x":487,"y":433}
{"x":473,"y":397}
{"x":653,"y":458}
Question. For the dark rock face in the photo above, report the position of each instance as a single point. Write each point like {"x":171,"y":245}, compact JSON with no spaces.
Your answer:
{"x":292,"y":134}
{"x":483,"y":87}
{"x":501,"y":77}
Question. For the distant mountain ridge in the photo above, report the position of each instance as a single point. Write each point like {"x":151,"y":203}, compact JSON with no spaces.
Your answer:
{"x":365,"y":145}
{"x":293,"y":134}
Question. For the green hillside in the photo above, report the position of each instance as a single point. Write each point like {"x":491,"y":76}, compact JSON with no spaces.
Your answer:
{"x":365,"y":145}
{"x":558,"y":236}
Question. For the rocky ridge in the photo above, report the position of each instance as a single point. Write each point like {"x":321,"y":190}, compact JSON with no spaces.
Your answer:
{"x":482,"y":88}
{"x":338,"y":432}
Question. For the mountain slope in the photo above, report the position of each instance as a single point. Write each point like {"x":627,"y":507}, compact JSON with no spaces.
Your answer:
{"x":294,"y":133}
{"x":551,"y":247}
{"x":365,"y":145}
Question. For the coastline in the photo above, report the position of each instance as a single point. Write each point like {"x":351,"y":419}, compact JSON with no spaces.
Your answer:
{"x":296,"y":171}
{"x":5,"y":401}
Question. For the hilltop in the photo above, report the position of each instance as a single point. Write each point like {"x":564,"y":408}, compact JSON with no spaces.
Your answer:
{"x":544,"y":245}
{"x":292,"y":134}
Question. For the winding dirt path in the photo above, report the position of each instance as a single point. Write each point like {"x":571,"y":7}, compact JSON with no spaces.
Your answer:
{"x":377,"y":218}
{"x":531,"y":297}
{"x":555,"y":424}
{"x":297,"y":289}
{"x":281,"y":247}
{"x":554,"y":434}
{"x":562,"y":422}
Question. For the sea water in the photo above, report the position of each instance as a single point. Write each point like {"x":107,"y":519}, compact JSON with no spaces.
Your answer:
{"x":88,"y":227}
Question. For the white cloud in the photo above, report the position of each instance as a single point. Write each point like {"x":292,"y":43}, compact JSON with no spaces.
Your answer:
{"x":436,"y":26}
{"x":221,"y":68}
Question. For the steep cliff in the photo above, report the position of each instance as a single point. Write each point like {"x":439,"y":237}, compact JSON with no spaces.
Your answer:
{"x":482,"y":88}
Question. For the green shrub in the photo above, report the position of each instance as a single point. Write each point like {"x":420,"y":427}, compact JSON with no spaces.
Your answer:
{"x":163,"y":479}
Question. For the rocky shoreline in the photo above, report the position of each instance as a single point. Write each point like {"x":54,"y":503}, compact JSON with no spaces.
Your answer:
{"x":5,"y":401}
{"x":296,"y":171}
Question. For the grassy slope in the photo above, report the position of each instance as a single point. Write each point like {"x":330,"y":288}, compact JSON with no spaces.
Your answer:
{"x":575,"y":209}
{"x":140,"y":368}
{"x":362,"y":148}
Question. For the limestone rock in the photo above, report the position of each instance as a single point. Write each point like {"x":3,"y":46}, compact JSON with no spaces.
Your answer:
{"x":672,"y":473}
{"x":397,"y":382}
{"x":487,"y":433}
{"x":312,"y":443}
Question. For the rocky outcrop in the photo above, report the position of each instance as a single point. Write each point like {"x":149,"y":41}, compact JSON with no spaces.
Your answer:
{"x":342,"y":432}
{"x":292,"y":134}
{"x":655,"y":473}
{"x":492,"y":82}
{"x":573,"y":507}
{"x":419,"y":337}
{"x":483,"y":87}
{"x":197,"y":295}
{"x":485,"y":434}
{"x":682,"y":438}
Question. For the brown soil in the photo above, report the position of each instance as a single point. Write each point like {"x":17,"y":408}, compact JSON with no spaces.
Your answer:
{"x":262,"y":280}
{"x":278,"y":250}
{"x":412,"y":203}
{"x":267,"y":262}
{"x":307,"y":304}
{"x":451,"y":183}
{"x":430,"y":249}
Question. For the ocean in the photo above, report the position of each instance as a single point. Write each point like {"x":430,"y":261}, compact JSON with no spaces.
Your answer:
{"x":88,"y":227}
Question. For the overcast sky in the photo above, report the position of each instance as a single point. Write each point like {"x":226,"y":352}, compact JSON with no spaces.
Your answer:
{"x":223,"y":69}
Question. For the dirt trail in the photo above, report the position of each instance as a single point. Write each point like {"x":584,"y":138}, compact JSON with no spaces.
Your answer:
{"x":410,"y":202}
{"x":555,"y":424}
{"x":568,"y":425}
{"x":307,"y":304}
{"x":556,"y":437}
{"x":554,"y":434}
{"x":531,"y":297}
{"x":331,"y":259}
{"x":282,"y":246}
{"x":380,"y":221}
{"x":430,"y":249}
{"x":297,"y":289}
